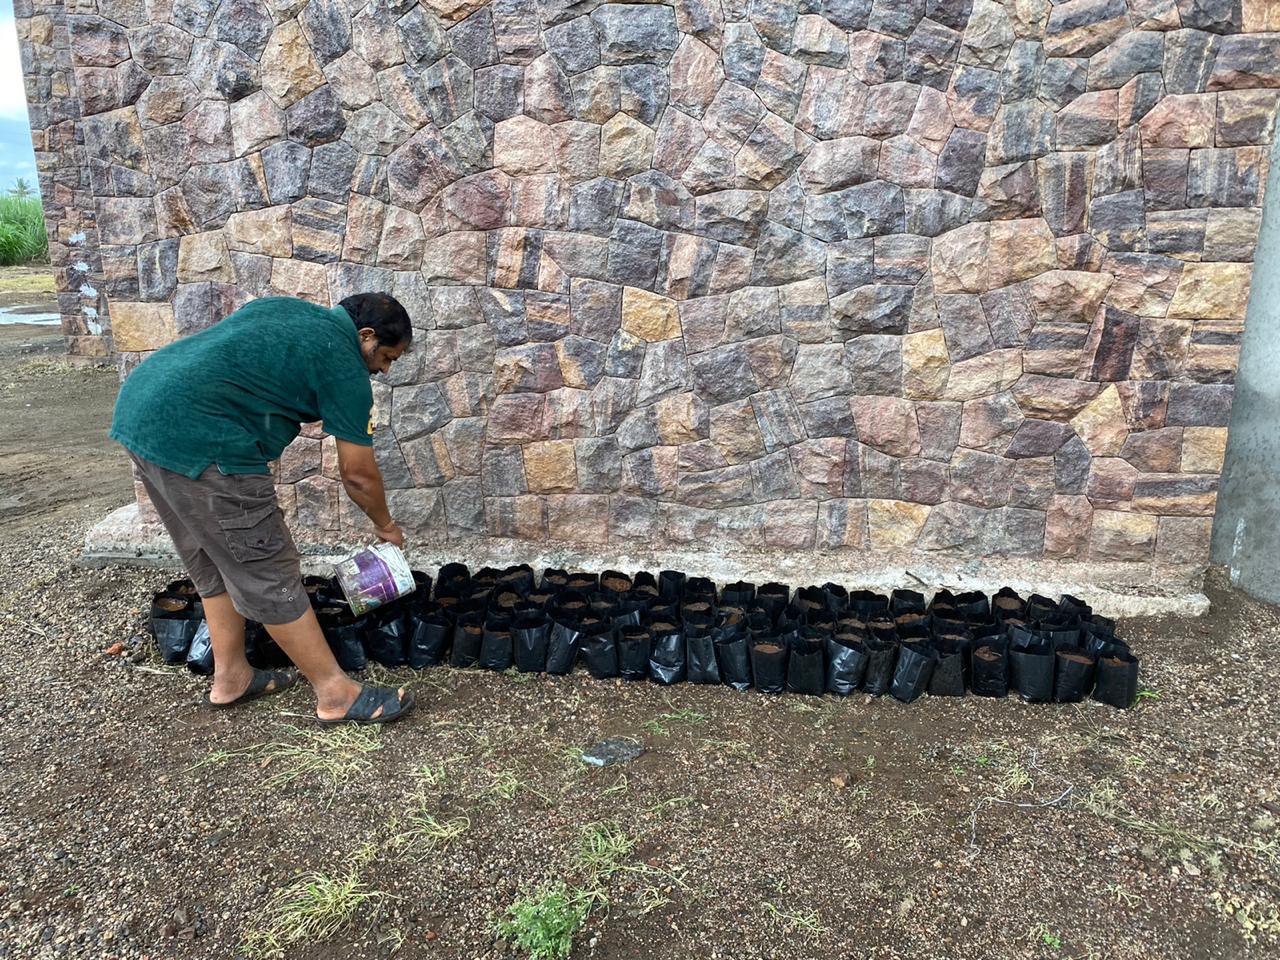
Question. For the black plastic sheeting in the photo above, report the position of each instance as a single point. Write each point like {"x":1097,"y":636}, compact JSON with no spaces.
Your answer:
{"x":673,"y":628}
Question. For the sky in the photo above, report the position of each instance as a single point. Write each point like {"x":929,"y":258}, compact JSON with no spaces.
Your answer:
{"x":16,"y":157}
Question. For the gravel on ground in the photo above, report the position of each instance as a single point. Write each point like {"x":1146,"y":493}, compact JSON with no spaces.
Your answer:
{"x":135,"y":822}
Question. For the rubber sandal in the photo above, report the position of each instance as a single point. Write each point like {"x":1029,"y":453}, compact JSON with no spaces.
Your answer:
{"x":367,"y":703}
{"x":259,"y":687}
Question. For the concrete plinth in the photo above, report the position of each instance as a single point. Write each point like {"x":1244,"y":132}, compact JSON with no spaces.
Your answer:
{"x":1113,"y":589}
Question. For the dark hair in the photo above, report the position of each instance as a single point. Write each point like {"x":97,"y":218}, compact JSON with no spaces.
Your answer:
{"x":383,"y":314}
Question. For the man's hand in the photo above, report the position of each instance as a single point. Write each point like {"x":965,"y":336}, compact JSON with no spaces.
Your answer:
{"x":391,"y":534}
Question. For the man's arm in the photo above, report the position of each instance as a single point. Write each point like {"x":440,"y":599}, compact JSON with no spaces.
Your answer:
{"x":363,"y":482}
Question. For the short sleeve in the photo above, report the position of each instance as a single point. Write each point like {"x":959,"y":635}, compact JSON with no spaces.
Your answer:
{"x":346,"y":408}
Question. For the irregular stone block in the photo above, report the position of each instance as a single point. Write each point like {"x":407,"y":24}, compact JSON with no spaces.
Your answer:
{"x":894,"y":524}
{"x":1228,"y":177}
{"x":626,"y":147}
{"x":632,"y":34}
{"x":874,"y":308}
{"x":1246,"y":60}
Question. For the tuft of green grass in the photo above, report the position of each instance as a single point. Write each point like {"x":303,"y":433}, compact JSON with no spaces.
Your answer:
{"x":793,"y":921}
{"x":331,"y":755}
{"x":544,"y":923}
{"x":424,"y":832}
{"x":663,"y":722}
{"x":22,"y":234}
{"x":602,"y":848}
{"x":312,"y":908}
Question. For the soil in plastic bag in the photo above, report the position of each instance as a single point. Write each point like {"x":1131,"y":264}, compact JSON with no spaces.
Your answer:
{"x":261,"y":650}
{"x":387,"y":639}
{"x":562,"y":646}
{"x":495,"y":645}
{"x":634,"y":642}
{"x":700,"y":651}
{"x":948,"y":672}
{"x":1073,"y":678}
{"x":667,"y":656}
{"x":972,"y":605}
{"x":881,"y":655}
{"x":868,"y":605}
{"x":429,"y":639}
{"x":1007,"y":603}
{"x":671,"y":585}
{"x":773,"y":598}
{"x":645,"y":582}
{"x":467,"y":638}
{"x":837,"y":598}
{"x":421,"y":588}
{"x":1040,"y":608}
{"x":769,"y":665}
{"x":345,"y":635}
{"x":1116,"y":679}
{"x":452,"y":572}
{"x":599,"y":649}
{"x":614,"y":582}
{"x":846,"y":663}
{"x":913,"y":672}
{"x":518,"y":578}
{"x":906,"y":601}
{"x":554,"y":579}
{"x":1031,"y":672}
{"x":990,"y":670}
{"x":734,"y":653}
{"x":200,"y":653}
{"x":740,"y":594}
{"x":530,"y":635}
{"x":806,"y":669}
{"x":174,"y":627}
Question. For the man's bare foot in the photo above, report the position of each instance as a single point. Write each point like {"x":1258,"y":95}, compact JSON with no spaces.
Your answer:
{"x":334,"y":704}
{"x":230,"y":683}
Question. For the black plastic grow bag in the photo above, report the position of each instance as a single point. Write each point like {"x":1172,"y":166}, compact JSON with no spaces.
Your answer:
{"x":1031,"y":672}
{"x":562,"y":647}
{"x":387,"y":637}
{"x":429,"y":638}
{"x":1073,"y":677}
{"x":634,"y":642}
{"x":913,"y":671}
{"x":599,"y":649}
{"x":989,"y":665}
{"x":496,"y":650}
{"x":734,"y":652}
{"x":806,"y":663}
{"x":530,"y":634}
{"x":846,"y":663}
{"x":668,"y":653}
{"x":947,"y":679}
{"x":769,"y":664}
{"x":1116,"y":679}
{"x":700,"y":655}
{"x":881,"y":656}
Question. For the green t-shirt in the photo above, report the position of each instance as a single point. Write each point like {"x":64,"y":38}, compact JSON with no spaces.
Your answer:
{"x":237,"y":393}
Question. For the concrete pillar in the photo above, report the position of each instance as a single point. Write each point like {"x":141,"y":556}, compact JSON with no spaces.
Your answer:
{"x":1246,"y":528}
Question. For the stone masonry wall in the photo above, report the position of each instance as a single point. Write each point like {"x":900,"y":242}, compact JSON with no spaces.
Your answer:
{"x":903,"y":275}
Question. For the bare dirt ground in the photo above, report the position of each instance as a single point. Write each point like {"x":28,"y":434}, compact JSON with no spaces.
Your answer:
{"x":136,"y":823}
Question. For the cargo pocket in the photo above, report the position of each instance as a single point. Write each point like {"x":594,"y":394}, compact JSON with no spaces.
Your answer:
{"x":255,"y":534}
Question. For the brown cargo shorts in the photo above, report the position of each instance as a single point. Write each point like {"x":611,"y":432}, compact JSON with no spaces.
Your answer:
{"x":231,"y":535}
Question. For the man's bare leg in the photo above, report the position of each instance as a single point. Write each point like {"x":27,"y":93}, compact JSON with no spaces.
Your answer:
{"x":302,"y":640}
{"x":231,"y":671}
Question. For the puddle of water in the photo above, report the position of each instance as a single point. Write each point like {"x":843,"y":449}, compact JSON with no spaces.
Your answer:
{"x":10,"y":315}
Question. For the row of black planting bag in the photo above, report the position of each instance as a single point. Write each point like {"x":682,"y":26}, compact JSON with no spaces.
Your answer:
{"x":671,"y":628}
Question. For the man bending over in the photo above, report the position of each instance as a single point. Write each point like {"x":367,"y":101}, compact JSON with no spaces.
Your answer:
{"x":203,"y":416}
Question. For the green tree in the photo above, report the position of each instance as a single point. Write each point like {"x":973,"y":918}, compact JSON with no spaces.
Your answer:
{"x":20,"y":189}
